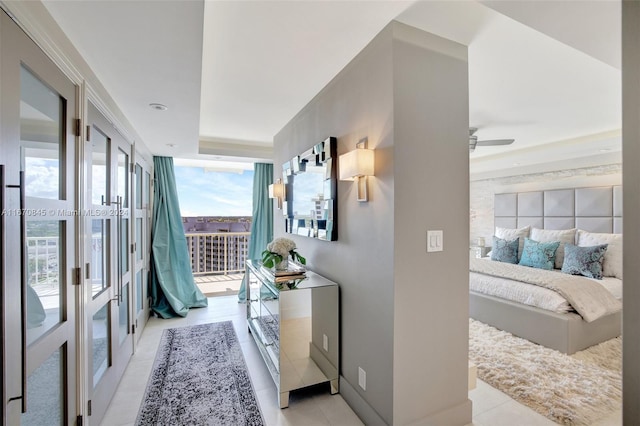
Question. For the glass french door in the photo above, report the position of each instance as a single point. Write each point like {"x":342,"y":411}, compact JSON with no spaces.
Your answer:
{"x":142,"y":223}
{"x":109,"y":304}
{"x":38,"y":234}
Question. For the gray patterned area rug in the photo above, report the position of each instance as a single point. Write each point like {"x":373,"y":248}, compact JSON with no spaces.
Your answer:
{"x":199,"y":377}
{"x":570,"y":390}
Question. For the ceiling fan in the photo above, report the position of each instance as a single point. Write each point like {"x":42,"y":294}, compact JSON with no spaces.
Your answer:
{"x":473,"y":140}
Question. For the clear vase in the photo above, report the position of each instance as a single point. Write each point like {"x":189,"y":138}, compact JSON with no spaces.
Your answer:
{"x":283,"y":265}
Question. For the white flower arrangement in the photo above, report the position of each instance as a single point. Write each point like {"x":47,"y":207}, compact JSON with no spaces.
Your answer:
{"x":279,"y":249}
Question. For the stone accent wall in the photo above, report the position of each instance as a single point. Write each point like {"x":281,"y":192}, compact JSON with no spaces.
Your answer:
{"x":482,"y":191}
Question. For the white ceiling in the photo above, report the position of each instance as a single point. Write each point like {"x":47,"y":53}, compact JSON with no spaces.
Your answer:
{"x":233,"y":73}
{"x":143,"y":52}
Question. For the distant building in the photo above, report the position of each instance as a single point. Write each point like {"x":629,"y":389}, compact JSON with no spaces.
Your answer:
{"x":217,"y":244}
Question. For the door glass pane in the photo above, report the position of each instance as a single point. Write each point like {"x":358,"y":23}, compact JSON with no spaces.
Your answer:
{"x":123,"y":178}
{"x":124,"y":244}
{"x":139,"y":243}
{"x":101,"y":343}
{"x":139,"y":291}
{"x":41,"y":135}
{"x":138,"y":186}
{"x":123,"y":317}
{"x":147,"y":189}
{"x":99,"y":250}
{"x":99,"y":146}
{"x":45,"y":389}
{"x":44,"y":289}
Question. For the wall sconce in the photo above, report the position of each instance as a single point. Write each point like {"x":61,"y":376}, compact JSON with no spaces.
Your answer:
{"x":356,"y":166}
{"x":277,"y":191}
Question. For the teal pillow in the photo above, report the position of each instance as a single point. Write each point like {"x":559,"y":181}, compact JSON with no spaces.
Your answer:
{"x":585,"y":261}
{"x":505,"y":250}
{"x":539,"y":255}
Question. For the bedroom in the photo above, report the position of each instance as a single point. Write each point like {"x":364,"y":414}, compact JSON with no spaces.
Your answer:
{"x":573,"y":307}
{"x":589,"y":158}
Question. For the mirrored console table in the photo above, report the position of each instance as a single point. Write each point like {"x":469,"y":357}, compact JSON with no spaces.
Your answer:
{"x":295,"y":325}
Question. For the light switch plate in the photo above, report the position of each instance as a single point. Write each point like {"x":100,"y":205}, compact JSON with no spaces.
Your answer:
{"x":435,"y":241}
{"x":362,"y":378}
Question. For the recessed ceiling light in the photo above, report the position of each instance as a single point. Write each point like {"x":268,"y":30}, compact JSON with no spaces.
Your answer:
{"x":158,"y":107}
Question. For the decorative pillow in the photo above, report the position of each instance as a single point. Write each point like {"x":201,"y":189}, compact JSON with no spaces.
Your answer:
{"x":539,"y":255}
{"x":511,"y":234}
{"x":585,"y":261}
{"x":612,"y":264}
{"x":563,"y":235}
{"x":504,"y":250}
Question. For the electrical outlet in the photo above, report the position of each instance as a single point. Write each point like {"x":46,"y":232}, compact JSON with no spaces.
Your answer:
{"x":362,"y":378}
{"x":325,"y":342}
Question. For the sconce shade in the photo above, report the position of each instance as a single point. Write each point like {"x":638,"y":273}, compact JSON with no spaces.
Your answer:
{"x":356,"y":163}
{"x":276,"y":190}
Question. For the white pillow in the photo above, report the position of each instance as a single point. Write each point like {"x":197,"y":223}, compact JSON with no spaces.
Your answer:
{"x":612,"y":264}
{"x":511,"y":234}
{"x":562,"y":235}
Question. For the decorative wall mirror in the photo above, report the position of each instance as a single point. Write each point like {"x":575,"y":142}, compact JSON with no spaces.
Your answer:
{"x":311,"y":207}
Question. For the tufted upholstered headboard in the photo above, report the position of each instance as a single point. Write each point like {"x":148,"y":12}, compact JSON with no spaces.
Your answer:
{"x":597,"y":209}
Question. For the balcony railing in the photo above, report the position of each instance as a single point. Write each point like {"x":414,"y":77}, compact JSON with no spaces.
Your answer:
{"x":218,"y":252}
{"x":44,"y":259}
{"x":210,"y":253}
{"x":43,"y":266}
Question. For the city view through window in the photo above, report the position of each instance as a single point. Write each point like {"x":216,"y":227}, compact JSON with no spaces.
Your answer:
{"x":216,"y":214}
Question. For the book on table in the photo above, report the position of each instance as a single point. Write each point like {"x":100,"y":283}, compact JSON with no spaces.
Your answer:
{"x":294,"y":271}
{"x":287,"y":278}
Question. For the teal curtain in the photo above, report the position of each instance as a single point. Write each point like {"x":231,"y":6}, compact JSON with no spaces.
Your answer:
{"x":173,"y":290}
{"x":262,"y":222}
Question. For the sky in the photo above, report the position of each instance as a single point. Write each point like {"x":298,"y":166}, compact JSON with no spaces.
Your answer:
{"x":203,"y":193}
{"x":42,"y":178}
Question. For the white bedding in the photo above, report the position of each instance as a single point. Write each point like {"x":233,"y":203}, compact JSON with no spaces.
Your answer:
{"x":530,"y":294}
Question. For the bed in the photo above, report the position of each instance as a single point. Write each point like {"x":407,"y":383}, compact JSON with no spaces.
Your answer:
{"x":583,"y":217}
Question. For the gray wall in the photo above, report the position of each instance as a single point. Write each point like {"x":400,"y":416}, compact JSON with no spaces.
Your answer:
{"x":631,"y":209}
{"x":357,"y":103}
{"x":482,"y":192}
{"x":411,"y":103}
{"x":431,"y":319}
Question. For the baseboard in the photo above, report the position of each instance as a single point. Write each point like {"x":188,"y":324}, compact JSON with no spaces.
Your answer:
{"x":367,"y":414}
{"x":459,"y":415}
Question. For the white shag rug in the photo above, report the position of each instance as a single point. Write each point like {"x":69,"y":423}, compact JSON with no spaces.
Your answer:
{"x":570,"y":390}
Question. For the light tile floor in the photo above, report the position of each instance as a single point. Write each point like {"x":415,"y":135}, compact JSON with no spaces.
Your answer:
{"x":490,"y":406}
{"x":219,"y":285}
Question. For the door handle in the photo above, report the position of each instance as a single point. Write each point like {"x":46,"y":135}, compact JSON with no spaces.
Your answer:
{"x":119,"y":297}
{"x":23,"y":280}
{"x":23,"y":289}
